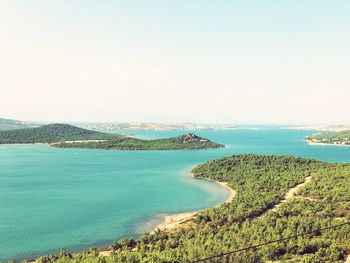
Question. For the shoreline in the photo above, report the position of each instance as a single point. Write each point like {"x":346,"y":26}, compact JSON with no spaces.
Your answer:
{"x":54,"y":145}
{"x":171,"y":222}
{"x":311,"y":143}
{"x":176,"y":221}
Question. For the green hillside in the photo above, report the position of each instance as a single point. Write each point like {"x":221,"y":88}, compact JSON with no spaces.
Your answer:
{"x":251,"y":218}
{"x":68,"y":136}
{"x":51,"y":133}
{"x":188,"y":141}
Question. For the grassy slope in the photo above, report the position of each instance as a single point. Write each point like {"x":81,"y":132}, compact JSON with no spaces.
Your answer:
{"x":260,"y":182}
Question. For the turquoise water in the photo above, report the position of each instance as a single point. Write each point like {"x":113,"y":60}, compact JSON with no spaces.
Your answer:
{"x":52,"y":198}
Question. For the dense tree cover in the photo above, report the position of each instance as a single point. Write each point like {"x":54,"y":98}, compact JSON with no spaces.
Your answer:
{"x":68,"y":136}
{"x":51,"y":133}
{"x":260,"y":182}
{"x":342,"y":137}
{"x":185,"y":142}
{"x":332,"y":185}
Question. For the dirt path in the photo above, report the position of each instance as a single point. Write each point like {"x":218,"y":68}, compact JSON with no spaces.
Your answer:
{"x":291,"y":193}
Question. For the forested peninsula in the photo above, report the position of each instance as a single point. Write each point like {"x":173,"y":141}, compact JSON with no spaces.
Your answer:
{"x":68,"y":136}
{"x":333,"y":138}
{"x":259,"y":213}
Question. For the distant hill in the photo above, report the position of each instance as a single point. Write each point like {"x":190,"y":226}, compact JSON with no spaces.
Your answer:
{"x":156,"y":126}
{"x":7,"y":124}
{"x":188,"y":141}
{"x":68,"y":136}
{"x":321,"y":128}
{"x":51,"y":133}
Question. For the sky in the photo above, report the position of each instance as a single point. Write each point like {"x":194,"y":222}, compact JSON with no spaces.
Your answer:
{"x":204,"y":61}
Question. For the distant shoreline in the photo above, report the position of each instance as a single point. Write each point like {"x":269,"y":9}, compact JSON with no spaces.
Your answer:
{"x":325,"y":144}
{"x":321,"y":128}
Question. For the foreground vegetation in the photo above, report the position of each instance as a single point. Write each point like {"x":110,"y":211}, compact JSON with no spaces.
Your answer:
{"x":261,"y":182}
{"x":342,"y":137}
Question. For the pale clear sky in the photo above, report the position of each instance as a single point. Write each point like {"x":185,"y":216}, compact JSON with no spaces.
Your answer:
{"x":261,"y":61}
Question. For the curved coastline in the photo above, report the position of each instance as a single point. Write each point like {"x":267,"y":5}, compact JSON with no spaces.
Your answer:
{"x":172,"y":222}
{"x":176,"y":221}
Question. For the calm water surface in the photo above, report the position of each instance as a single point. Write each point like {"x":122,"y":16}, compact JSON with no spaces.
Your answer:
{"x":71,"y":198}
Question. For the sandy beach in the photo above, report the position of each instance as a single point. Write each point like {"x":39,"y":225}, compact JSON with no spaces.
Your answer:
{"x":177,"y":221}
{"x":326,"y":144}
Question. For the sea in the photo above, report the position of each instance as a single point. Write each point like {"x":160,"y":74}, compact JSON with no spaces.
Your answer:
{"x":52,"y":198}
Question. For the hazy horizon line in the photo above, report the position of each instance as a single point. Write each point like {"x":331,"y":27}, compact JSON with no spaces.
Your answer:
{"x":178,"y":122}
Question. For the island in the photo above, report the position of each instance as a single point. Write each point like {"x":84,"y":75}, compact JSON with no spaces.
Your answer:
{"x":277,"y":197}
{"x":68,"y":136}
{"x":341,"y":138}
{"x":52,"y":133}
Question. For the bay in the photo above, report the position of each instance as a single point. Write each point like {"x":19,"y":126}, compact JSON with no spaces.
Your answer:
{"x":75,"y":199}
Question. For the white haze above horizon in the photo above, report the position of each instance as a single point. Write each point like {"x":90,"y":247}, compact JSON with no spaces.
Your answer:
{"x":285,"y":62}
